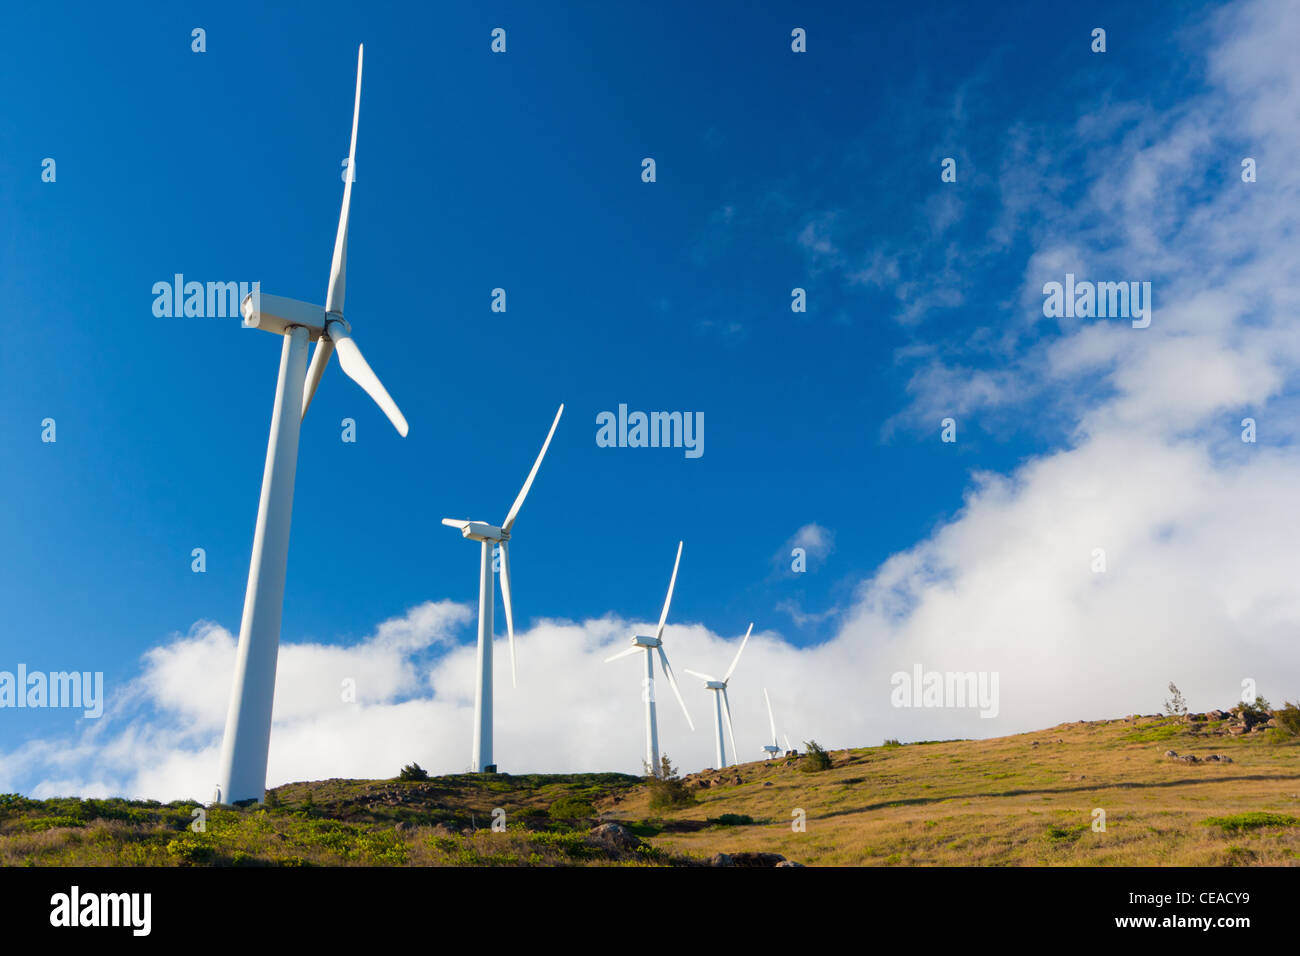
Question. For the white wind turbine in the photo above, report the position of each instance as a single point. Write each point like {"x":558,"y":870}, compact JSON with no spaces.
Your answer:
{"x":247,"y":737}
{"x":721,"y":705}
{"x":488,"y":536}
{"x":773,"y":748}
{"x":649,"y":645}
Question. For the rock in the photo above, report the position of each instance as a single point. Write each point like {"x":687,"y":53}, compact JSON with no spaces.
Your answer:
{"x":789,"y":863}
{"x":1171,"y":753}
{"x":1033,"y":743}
{"x":1236,"y":729}
{"x":756,"y":859}
{"x":720,"y":859}
{"x":767,"y":783}
{"x":1190,"y":758}
{"x":1217,"y":715}
{"x":614,"y":836}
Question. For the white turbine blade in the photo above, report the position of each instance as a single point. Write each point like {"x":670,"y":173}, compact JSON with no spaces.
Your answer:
{"x":703,"y":677}
{"x":339,"y":266}
{"x":732,"y":669}
{"x":731,"y":731}
{"x":528,"y":482}
{"x":510,"y":616}
{"x":627,"y":653}
{"x":770,"y":719}
{"x":672,"y":682}
{"x":319,"y":359}
{"x":663,"y":617}
{"x":454,"y":522}
{"x":357,"y":369}
{"x":787,"y":742}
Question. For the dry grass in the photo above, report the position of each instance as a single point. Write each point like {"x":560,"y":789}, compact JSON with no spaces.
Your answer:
{"x":1021,"y":800}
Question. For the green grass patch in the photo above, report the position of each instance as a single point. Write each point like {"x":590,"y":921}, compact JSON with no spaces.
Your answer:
{"x":1243,"y":822}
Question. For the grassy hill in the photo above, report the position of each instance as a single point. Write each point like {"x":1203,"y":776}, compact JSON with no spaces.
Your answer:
{"x":1027,"y":799}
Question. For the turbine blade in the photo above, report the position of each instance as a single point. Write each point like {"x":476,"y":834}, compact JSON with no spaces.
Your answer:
{"x":731,"y":731}
{"x":704,"y":677}
{"x":510,"y":616}
{"x":528,"y":482}
{"x":732,"y":669}
{"x":627,"y":653}
{"x":787,"y":742}
{"x":770,"y":719}
{"x":672,"y":682}
{"x":663,"y":616}
{"x":358,"y":369}
{"x":454,"y":522}
{"x":319,"y":359}
{"x":339,"y":265}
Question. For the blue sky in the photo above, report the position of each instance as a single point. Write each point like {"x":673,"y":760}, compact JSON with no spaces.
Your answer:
{"x":522,"y":171}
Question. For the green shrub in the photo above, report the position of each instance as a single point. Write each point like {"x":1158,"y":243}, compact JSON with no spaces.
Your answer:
{"x":891,"y":742}
{"x":666,"y":788}
{"x":413,"y":771}
{"x":1288,"y":719}
{"x":816,"y":758}
{"x":571,"y":808}
{"x":734,"y":820}
{"x":189,"y":850}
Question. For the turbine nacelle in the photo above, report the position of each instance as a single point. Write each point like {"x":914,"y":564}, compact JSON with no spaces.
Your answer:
{"x":275,"y":313}
{"x":478,"y":530}
{"x":647,"y":642}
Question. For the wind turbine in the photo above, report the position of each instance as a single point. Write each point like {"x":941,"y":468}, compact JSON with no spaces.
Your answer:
{"x":773,"y":748}
{"x":248,"y":721}
{"x":649,"y":645}
{"x":488,"y":536}
{"x":721,"y":705}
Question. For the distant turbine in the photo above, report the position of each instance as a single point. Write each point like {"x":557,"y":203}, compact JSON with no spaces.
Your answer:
{"x":488,"y":536}
{"x":649,"y":645}
{"x":773,"y":748}
{"x":721,"y":705}
{"x":248,"y":722}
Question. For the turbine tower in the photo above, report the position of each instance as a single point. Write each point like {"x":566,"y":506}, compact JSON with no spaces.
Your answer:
{"x":488,"y":536}
{"x":242,"y":774}
{"x":649,"y":645}
{"x":721,"y":705}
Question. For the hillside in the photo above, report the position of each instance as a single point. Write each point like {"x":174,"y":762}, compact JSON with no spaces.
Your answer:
{"x":1027,"y":799}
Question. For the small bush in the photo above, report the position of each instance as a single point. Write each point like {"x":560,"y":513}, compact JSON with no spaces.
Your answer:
{"x":666,"y":789}
{"x":891,"y":742}
{"x":571,"y":808}
{"x":1288,"y":719}
{"x":413,"y":771}
{"x":816,"y":758}
{"x":734,"y":820}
